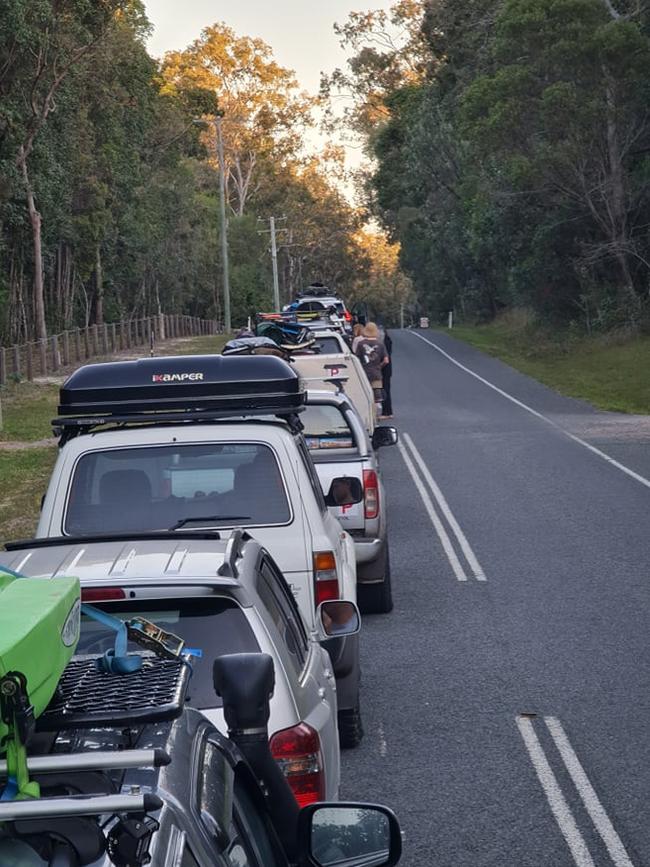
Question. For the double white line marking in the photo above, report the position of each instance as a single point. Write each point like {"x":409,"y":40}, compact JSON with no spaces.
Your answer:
{"x":558,"y":803}
{"x":419,"y":479}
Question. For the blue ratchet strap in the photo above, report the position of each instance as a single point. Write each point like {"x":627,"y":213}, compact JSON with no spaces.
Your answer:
{"x":10,"y":790}
{"x":11,"y":572}
{"x":118,"y":660}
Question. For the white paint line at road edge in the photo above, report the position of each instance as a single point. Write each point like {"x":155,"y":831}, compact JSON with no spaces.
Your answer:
{"x":435,"y":520}
{"x":383,"y":745}
{"x":628,"y":472}
{"x":556,"y":800}
{"x":443,"y":505}
{"x":589,"y":797}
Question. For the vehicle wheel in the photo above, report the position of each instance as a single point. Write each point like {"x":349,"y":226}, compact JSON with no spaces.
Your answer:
{"x":350,"y":728}
{"x":377,"y":598}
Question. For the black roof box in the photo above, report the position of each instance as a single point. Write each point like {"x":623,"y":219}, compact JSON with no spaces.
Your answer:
{"x":188,"y":385}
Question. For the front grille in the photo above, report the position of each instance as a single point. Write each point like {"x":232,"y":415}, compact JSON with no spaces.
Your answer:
{"x":87,"y":696}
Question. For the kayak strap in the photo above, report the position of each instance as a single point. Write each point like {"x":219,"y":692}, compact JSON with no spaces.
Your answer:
{"x":18,"y":715}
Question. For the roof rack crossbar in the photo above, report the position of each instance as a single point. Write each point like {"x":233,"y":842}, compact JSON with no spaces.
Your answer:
{"x":46,"y":808}
{"x":99,"y":761}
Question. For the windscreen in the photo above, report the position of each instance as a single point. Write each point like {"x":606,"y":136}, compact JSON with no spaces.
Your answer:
{"x":171,"y":487}
{"x":326,"y":428}
{"x":213,"y":626}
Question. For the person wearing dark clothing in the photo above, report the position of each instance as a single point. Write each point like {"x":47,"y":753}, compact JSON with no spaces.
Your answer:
{"x":386,"y":374}
{"x":372,"y":354}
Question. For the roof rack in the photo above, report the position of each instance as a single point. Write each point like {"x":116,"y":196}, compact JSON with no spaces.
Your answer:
{"x":81,"y":805}
{"x":186,"y":388}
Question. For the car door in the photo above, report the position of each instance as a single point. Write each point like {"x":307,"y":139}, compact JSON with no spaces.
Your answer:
{"x":309,"y":669}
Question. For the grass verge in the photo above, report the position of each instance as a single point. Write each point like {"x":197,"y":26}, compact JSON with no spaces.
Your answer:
{"x":24,"y":475}
{"x":610,"y":372}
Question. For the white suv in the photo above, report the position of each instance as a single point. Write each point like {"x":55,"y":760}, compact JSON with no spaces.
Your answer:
{"x":165,"y":444}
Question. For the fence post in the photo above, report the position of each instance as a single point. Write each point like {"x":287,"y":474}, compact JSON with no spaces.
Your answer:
{"x":42,"y":348}
{"x":3,"y":366}
{"x":87,"y":342}
{"x":56,"y":357}
{"x":95,"y":333}
{"x":77,"y":344}
{"x":66,"y":347}
{"x":29,"y":361}
{"x":16,"y":361}
{"x":162,"y":331}
{"x":114,"y":337}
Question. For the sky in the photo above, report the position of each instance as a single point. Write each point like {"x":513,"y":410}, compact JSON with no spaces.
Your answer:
{"x":299,"y":31}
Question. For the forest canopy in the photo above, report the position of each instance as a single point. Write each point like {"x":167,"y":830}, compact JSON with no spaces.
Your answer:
{"x":512,"y":148}
{"x":109,"y":188}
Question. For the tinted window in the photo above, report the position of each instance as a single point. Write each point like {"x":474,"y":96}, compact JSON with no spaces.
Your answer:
{"x":188,"y":859}
{"x":313,"y":475}
{"x":163,"y":487}
{"x":277,"y":599}
{"x":328,"y":345}
{"x":252,"y":844}
{"x":326,"y":428}
{"x":213,"y":626}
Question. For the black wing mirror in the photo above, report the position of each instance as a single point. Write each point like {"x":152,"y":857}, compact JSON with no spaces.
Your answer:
{"x":384,"y":436}
{"x":356,"y":835}
{"x":344,"y":491}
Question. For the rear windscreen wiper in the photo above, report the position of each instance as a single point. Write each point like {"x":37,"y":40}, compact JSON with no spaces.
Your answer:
{"x":202,"y":518}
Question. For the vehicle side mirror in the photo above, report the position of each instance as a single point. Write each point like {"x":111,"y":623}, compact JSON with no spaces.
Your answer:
{"x":336,"y":618}
{"x":356,"y":835}
{"x":344,"y":491}
{"x":384,"y":436}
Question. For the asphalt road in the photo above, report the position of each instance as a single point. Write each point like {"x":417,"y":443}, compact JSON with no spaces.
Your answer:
{"x":507,"y":697}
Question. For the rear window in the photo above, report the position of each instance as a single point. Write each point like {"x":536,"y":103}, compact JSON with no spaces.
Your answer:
{"x":169,"y":487}
{"x":328,"y":345}
{"x":326,"y":428}
{"x":213,"y":626}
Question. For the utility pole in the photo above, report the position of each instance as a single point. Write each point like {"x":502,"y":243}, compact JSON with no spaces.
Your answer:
{"x":224,"y":226}
{"x":274,"y":257}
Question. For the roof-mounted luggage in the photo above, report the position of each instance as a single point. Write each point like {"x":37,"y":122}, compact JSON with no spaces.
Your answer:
{"x":185,"y":388}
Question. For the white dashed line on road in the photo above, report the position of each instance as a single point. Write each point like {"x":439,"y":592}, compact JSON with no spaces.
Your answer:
{"x":438,"y":526}
{"x":628,"y":472}
{"x":557,"y":801}
{"x":443,"y":505}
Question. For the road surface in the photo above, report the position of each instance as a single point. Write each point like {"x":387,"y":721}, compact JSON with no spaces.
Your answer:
{"x":507,"y":697}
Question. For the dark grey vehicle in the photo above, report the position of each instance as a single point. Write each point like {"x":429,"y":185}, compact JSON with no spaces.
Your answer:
{"x":180,"y":794}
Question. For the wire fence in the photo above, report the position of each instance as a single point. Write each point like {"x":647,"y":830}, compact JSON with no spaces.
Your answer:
{"x":44,"y":357}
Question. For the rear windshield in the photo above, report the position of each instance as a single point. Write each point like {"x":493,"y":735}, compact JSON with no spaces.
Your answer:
{"x":326,"y":428}
{"x":328,"y":345}
{"x":212,"y":626}
{"x":170,"y":487}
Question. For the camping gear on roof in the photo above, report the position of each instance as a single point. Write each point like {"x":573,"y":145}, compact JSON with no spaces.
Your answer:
{"x":39,"y":631}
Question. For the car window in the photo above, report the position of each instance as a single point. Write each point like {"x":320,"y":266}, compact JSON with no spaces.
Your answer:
{"x":165,"y":487}
{"x":282,"y":614}
{"x":312,"y":475}
{"x":328,"y":345}
{"x":188,"y":859}
{"x":286,"y":599}
{"x":326,"y":428}
{"x":215,"y":790}
{"x":212,"y":625}
{"x":252,"y":844}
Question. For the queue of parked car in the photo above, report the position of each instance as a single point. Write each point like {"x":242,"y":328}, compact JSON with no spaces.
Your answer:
{"x":233,"y":504}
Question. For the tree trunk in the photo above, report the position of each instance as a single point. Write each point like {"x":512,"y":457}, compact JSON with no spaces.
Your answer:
{"x":99,"y":287}
{"x":40,"y":328}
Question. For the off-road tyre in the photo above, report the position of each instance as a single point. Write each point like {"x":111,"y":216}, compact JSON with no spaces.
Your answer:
{"x":377,"y":598}
{"x":350,"y":728}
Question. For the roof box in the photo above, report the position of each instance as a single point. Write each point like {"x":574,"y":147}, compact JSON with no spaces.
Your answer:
{"x":190,"y":386}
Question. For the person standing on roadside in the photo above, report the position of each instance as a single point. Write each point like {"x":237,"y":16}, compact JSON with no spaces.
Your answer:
{"x":357,"y":333}
{"x":373,"y":356}
{"x":386,"y":375}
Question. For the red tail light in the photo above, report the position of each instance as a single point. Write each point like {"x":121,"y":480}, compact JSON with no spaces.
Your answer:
{"x":371,"y":493}
{"x":326,"y":581}
{"x":297,"y":750}
{"x":102,"y":594}
{"x":348,"y":316}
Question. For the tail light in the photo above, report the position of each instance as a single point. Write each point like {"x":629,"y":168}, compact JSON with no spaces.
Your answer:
{"x":298,"y":752}
{"x":371,"y":493}
{"x":348,"y":316}
{"x":326,"y":581}
{"x":102,"y":594}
